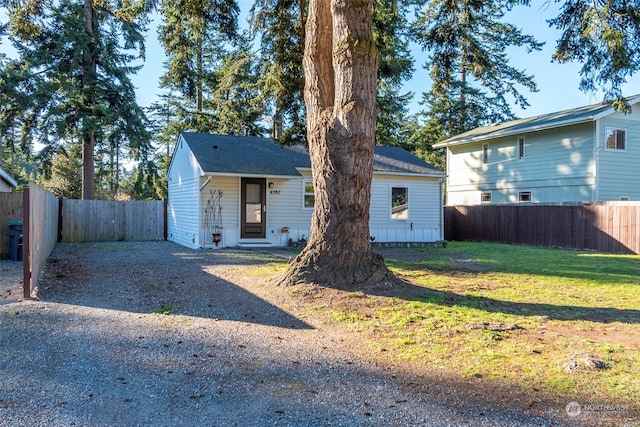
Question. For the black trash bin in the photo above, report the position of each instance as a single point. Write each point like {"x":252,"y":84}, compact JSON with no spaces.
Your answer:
{"x":15,"y":239}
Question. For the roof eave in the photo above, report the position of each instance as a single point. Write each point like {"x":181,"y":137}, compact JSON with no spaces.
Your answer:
{"x":412,"y":174}
{"x":510,"y":132}
{"x":249,"y":175}
{"x":12,"y":182}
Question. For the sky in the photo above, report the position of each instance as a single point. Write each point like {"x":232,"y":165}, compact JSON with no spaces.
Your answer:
{"x":557,"y":83}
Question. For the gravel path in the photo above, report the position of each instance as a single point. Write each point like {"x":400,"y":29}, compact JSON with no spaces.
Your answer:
{"x":137,"y":334}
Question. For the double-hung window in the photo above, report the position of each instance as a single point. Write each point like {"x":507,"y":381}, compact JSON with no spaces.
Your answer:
{"x":615,"y":139}
{"x":309,"y":196}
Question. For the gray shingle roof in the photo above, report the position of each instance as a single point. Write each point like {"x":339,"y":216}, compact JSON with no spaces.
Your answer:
{"x":572,"y":116}
{"x":251,"y":155}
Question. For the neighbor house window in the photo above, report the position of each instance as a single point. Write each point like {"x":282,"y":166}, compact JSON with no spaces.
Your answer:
{"x":616,"y":139}
{"x":485,"y":153}
{"x":520,"y":148}
{"x":524,"y":196}
{"x":623,"y":198}
{"x":399,"y":203}
{"x":485,"y":198}
{"x":309,"y":196}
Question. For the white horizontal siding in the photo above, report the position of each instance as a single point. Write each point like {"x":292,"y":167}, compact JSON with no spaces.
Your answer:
{"x":288,"y":219}
{"x":230,"y":204}
{"x":285,"y":209}
{"x":424,"y":222}
{"x":184,"y":180}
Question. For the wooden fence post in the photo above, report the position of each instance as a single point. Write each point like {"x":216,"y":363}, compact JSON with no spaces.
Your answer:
{"x":26,"y":244}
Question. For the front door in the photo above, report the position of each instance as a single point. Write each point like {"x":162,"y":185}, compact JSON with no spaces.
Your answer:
{"x":253,"y":196}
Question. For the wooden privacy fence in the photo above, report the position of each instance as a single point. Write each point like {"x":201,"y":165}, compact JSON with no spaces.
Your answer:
{"x":607,"y":227}
{"x":111,"y":221}
{"x":39,"y":230}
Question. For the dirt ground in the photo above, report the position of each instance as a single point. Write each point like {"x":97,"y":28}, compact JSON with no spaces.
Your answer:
{"x":156,"y":334}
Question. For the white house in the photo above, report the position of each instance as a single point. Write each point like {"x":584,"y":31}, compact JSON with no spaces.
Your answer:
{"x":591,"y":153}
{"x":7,"y":183}
{"x":250,"y":191}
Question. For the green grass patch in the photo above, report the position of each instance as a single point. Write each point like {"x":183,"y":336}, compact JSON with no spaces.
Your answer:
{"x":164,"y":309}
{"x":514,"y":314}
{"x":268,"y":269}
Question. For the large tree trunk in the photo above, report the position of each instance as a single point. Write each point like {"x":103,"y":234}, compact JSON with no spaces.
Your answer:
{"x":340,"y":65}
{"x":88,"y":86}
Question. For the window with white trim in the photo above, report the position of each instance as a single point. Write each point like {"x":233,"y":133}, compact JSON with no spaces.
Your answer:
{"x":521,"y":148}
{"x":399,"y":203}
{"x":623,"y":198}
{"x":615,"y":139}
{"x":524,"y":197}
{"x":308,"y":196}
{"x":485,"y":198}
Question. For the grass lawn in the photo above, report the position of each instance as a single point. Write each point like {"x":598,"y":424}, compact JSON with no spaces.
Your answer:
{"x":561,"y":323}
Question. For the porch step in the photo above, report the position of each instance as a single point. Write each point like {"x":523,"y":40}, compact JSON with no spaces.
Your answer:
{"x":257,"y":243}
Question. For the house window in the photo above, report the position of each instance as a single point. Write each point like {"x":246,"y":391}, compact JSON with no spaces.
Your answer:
{"x":485,"y":198}
{"x":524,"y":196}
{"x":485,"y":153}
{"x":521,"y":148}
{"x":399,"y":203}
{"x":309,"y":197}
{"x":616,"y":139}
{"x":623,"y":198}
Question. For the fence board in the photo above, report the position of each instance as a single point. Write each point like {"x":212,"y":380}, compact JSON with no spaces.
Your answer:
{"x":608,"y":227}
{"x":112,"y":221}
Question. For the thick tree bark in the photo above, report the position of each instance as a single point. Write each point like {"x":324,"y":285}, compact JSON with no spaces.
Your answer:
{"x":88,"y":80}
{"x":340,"y":66}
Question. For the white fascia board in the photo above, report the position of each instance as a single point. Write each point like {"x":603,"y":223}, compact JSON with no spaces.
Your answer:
{"x":610,"y":111}
{"x":414,"y":175}
{"x":4,"y":175}
{"x":248,"y":175}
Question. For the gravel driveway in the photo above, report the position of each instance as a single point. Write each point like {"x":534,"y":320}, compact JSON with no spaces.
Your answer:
{"x":137,"y":334}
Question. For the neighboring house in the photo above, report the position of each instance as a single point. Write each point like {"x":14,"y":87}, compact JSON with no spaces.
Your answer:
{"x":590,"y":153}
{"x":250,"y":191}
{"x":7,"y":184}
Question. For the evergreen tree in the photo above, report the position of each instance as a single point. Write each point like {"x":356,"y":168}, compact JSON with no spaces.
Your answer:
{"x":195,"y":35}
{"x":605,"y":37}
{"x":340,"y":95}
{"x":473,"y":82}
{"x":236,"y":100}
{"x":280,"y":27}
{"x":65,"y":177}
{"x":71,"y":78}
{"x":391,"y":36}
{"x":164,"y":129}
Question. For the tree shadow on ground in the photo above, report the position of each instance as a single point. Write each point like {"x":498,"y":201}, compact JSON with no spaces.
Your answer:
{"x":593,"y":267}
{"x":410,"y":292}
{"x":148,"y":277}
